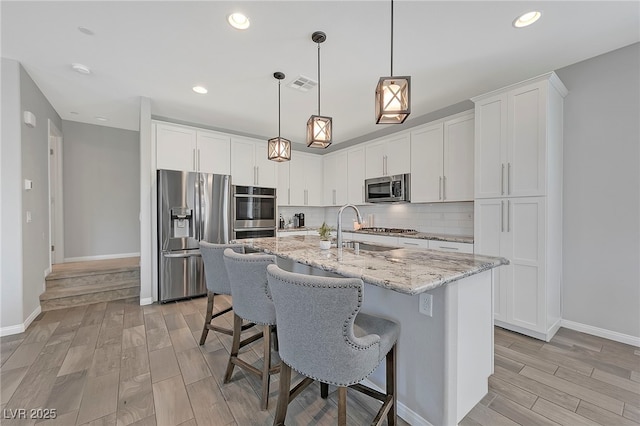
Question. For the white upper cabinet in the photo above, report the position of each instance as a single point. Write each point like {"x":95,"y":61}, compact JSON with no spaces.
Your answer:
{"x":335,"y":178}
{"x":391,"y":156}
{"x":305,"y":180}
{"x":189,"y":149}
{"x":249,"y":163}
{"x":214,"y":153}
{"x":355,"y":175}
{"x":427,"y":167}
{"x":442,"y":161}
{"x":457,"y":182}
{"x":283,"y":191}
{"x":512,"y":131}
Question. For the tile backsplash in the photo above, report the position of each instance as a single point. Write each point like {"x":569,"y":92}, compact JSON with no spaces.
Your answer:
{"x":444,"y":218}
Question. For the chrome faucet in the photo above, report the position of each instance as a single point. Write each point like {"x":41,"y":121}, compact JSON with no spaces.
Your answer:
{"x":339,"y":229}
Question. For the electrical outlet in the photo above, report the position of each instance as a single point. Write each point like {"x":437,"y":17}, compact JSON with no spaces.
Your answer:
{"x":426,"y":304}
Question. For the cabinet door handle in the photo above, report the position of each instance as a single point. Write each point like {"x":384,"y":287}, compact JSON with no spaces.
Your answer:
{"x":502,"y":180}
{"x":334,"y":197}
{"x":288,"y":195}
{"x":194,"y":159}
{"x":501,"y":215}
{"x":509,"y":178}
{"x":444,"y":189}
{"x":364,"y":197}
{"x":439,"y":187}
{"x":508,"y":215}
{"x":306,"y":197}
{"x":448,"y":248}
{"x":410,"y":244}
{"x":198,"y":160}
{"x":255,"y":175}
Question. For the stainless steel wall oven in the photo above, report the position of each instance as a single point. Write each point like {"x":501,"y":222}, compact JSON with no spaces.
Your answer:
{"x":254,"y":212}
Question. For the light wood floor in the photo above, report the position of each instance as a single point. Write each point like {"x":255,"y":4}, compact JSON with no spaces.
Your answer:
{"x":119,"y":363}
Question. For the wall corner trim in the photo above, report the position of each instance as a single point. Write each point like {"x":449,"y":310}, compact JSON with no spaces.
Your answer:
{"x":20,"y":328}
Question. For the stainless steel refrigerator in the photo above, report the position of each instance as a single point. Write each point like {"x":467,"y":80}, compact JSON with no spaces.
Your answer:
{"x":191,"y":207}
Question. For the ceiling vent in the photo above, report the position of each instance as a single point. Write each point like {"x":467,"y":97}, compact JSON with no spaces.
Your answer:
{"x":303,"y":84}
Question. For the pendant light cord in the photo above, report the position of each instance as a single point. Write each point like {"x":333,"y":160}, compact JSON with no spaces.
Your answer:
{"x":279,"y":109}
{"x":319,"y":79}
{"x":391,"y":38}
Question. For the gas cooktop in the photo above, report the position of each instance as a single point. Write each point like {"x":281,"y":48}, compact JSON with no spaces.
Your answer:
{"x":389,"y":230}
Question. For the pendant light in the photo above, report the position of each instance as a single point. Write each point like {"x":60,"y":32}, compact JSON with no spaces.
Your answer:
{"x":393,"y":94}
{"x":279,"y":149}
{"x":319,"y":128}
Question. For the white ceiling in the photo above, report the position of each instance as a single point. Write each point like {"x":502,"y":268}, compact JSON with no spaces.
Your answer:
{"x":452,"y":50}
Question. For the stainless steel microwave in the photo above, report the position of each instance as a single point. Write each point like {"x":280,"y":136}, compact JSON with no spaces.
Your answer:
{"x":388,"y":189}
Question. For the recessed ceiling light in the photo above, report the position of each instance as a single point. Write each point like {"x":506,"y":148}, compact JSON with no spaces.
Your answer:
{"x":85,"y":30}
{"x":82,"y":69}
{"x":100,"y":118}
{"x":527,"y":19}
{"x":239,"y":21}
{"x":73,"y":112}
{"x":199,"y":89}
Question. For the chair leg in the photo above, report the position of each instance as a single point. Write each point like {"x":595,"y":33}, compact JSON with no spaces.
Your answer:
{"x":391,"y":386}
{"x":342,"y":406}
{"x":266,"y":365}
{"x":324,"y":390}
{"x":235,"y":346}
{"x":283,"y":395}
{"x":207,"y":318}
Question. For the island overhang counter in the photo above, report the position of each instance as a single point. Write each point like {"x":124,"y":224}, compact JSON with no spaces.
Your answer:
{"x":444,"y":360}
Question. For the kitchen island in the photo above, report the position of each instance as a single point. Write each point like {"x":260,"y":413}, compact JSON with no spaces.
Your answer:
{"x":444,"y":359}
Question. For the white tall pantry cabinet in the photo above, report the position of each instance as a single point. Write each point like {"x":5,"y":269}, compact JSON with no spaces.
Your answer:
{"x":518,"y":200}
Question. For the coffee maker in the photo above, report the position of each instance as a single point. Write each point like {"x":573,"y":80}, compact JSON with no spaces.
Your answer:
{"x":301,"y":220}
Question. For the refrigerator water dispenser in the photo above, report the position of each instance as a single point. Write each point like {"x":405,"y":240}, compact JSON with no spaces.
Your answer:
{"x":181,"y":222}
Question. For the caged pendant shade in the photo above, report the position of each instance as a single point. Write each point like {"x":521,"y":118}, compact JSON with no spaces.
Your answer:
{"x":393,"y":94}
{"x":279,"y":149}
{"x":319,"y":128}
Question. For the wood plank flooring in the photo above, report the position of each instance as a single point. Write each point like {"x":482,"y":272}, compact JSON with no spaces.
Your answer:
{"x":117,"y":363}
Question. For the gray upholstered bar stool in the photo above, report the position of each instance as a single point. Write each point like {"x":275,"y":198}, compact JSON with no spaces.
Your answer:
{"x":323,"y":335}
{"x":251,"y":302}
{"x":217,"y":282}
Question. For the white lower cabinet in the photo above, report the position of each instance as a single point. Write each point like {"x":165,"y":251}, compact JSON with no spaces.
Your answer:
{"x":451,"y":246}
{"x":413,"y":242}
{"x":527,"y":291}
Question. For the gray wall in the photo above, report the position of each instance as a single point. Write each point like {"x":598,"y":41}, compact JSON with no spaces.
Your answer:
{"x":11,"y":201}
{"x":25,"y":155}
{"x":601,"y":192}
{"x":35,"y":166}
{"x":101,"y":180}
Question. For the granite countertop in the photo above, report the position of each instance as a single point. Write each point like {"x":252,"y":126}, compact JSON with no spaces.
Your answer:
{"x":422,"y":236}
{"x":405,"y":270}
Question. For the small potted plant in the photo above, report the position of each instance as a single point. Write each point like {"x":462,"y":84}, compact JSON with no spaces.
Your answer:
{"x":325,"y":236}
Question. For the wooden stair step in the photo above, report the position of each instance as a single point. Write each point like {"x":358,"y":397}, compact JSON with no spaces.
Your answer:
{"x":87,"y":299}
{"x":97,"y":277}
{"x":60,"y":292}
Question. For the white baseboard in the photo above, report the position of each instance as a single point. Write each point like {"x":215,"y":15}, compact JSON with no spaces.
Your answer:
{"x":404,"y":412}
{"x":20,"y":328}
{"x":101,"y":257}
{"x":146,"y":301}
{"x":601,"y":332}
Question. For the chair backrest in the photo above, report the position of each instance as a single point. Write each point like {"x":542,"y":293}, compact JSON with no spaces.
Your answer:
{"x":249,"y":289}
{"x":315,"y":317}
{"x":215,"y":272}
